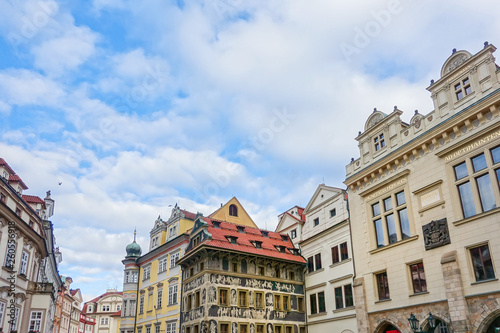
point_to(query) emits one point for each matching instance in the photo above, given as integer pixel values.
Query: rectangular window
(462, 88)
(321, 302)
(171, 327)
(157, 328)
(300, 304)
(159, 298)
(141, 304)
(172, 294)
(348, 295)
(293, 234)
(317, 261)
(316, 221)
(379, 142)
(35, 321)
(262, 271)
(339, 299)
(224, 328)
(310, 264)
(24, 263)
(482, 263)
(335, 254)
(146, 273)
(277, 302)
(243, 298)
(243, 328)
(333, 212)
(313, 304)
(394, 217)
(223, 297)
(259, 300)
(475, 178)
(162, 264)
(343, 251)
(174, 257)
(286, 303)
(382, 286)
(418, 278)
(259, 328)
(278, 329)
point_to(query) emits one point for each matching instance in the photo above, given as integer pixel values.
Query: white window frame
(159, 298)
(36, 323)
(174, 257)
(171, 327)
(162, 264)
(173, 289)
(146, 273)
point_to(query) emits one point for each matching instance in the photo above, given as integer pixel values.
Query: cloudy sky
(138, 105)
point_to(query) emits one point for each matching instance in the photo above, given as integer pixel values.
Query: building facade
(238, 278)
(326, 245)
(29, 278)
(291, 223)
(151, 290)
(424, 200)
(105, 310)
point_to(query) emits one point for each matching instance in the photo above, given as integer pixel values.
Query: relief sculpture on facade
(436, 234)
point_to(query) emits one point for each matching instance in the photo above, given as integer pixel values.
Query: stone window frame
(227, 324)
(492, 169)
(262, 325)
(228, 295)
(317, 303)
(379, 142)
(376, 277)
(262, 298)
(462, 89)
(345, 304)
(411, 284)
(240, 329)
(471, 264)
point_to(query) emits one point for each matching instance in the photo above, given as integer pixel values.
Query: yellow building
(152, 282)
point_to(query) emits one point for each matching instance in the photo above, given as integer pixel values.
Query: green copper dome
(133, 250)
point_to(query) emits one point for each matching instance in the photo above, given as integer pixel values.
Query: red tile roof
(17, 179)
(73, 291)
(33, 199)
(188, 215)
(116, 314)
(104, 295)
(245, 239)
(4, 164)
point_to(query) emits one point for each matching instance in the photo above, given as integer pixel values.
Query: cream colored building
(424, 200)
(106, 310)
(291, 223)
(326, 246)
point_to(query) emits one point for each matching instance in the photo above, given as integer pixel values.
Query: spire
(135, 233)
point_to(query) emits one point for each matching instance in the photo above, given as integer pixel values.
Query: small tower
(130, 281)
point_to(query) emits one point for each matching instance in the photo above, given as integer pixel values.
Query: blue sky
(138, 105)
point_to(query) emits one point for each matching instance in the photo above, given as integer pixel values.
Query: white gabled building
(291, 222)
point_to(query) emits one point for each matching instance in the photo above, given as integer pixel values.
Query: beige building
(424, 200)
(106, 310)
(291, 223)
(326, 245)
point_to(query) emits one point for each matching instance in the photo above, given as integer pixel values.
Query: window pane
(317, 259)
(339, 302)
(404, 223)
(343, 251)
(400, 198)
(418, 278)
(383, 286)
(486, 192)
(348, 295)
(321, 302)
(387, 204)
(481, 261)
(314, 307)
(391, 228)
(461, 171)
(495, 154)
(379, 233)
(310, 264)
(479, 163)
(376, 209)
(467, 200)
(335, 254)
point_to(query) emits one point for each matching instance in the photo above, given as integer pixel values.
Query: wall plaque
(436, 234)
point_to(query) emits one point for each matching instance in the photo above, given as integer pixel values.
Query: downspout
(136, 300)
(350, 234)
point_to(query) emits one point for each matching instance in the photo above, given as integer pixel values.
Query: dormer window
(265, 233)
(233, 210)
(284, 238)
(232, 239)
(216, 224)
(241, 229)
(294, 251)
(257, 244)
(280, 248)
(379, 142)
(462, 88)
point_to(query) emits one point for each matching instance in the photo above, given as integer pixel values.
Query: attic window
(265, 233)
(216, 224)
(333, 212)
(284, 238)
(257, 244)
(233, 210)
(232, 239)
(379, 142)
(294, 251)
(241, 229)
(462, 88)
(280, 248)
(316, 221)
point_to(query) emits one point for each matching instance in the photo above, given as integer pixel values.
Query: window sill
(340, 262)
(344, 309)
(418, 294)
(315, 272)
(390, 246)
(319, 314)
(383, 300)
(483, 281)
(477, 216)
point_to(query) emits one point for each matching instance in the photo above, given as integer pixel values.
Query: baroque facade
(29, 278)
(152, 282)
(425, 204)
(105, 310)
(240, 279)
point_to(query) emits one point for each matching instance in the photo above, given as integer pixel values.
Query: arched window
(233, 210)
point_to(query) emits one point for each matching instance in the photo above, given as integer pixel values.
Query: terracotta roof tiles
(17, 179)
(33, 199)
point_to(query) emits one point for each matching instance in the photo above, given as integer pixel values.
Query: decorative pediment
(457, 59)
(374, 119)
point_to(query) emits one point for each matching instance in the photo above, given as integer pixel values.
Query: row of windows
(339, 253)
(390, 219)
(481, 262)
(281, 302)
(171, 327)
(172, 297)
(162, 267)
(343, 299)
(245, 328)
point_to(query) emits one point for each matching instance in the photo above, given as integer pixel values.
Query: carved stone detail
(458, 61)
(436, 234)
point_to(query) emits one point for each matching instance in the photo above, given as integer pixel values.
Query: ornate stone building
(240, 279)
(424, 199)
